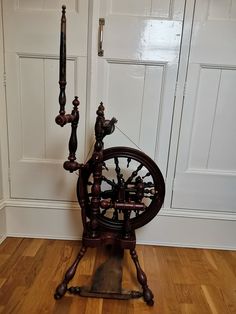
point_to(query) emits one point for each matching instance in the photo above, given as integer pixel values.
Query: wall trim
(57, 220)
(3, 238)
(192, 245)
(150, 243)
(199, 214)
(3, 233)
(174, 212)
(2, 205)
(60, 205)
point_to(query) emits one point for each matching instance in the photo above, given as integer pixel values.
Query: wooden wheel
(130, 178)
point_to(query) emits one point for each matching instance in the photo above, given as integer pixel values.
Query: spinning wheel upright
(119, 190)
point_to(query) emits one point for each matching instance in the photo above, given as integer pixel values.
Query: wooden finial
(63, 9)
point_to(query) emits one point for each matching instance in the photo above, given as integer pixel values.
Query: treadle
(87, 292)
(107, 280)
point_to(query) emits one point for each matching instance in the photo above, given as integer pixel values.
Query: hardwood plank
(215, 300)
(185, 281)
(94, 306)
(9, 245)
(2, 281)
(33, 247)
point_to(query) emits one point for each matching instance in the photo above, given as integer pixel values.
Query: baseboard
(37, 222)
(54, 220)
(2, 205)
(2, 238)
(3, 232)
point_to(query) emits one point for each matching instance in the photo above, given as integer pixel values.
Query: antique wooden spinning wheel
(119, 190)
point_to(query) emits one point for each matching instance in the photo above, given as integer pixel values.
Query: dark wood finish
(142, 278)
(107, 280)
(62, 69)
(62, 119)
(62, 288)
(132, 201)
(97, 171)
(122, 195)
(71, 164)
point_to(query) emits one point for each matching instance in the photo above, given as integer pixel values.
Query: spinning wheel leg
(62, 288)
(142, 278)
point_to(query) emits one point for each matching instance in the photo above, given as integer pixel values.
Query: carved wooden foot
(142, 278)
(62, 288)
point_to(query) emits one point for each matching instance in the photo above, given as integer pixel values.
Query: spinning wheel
(119, 190)
(132, 189)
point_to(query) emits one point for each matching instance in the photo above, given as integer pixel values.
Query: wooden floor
(183, 280)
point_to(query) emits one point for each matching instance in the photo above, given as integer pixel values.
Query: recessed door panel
(136, 76)
(206, 165)
(37, 146)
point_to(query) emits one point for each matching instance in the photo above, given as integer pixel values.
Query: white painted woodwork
(2, 223)
(2, 134)
(2, 102)
(206, 165)
(1, 181)
(136, 77)
(37, 146)
(170, 230)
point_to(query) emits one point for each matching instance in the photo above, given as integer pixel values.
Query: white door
(206, 166)
(37, 145)
(136, 76)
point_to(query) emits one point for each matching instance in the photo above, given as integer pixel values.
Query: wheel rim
(140, 170)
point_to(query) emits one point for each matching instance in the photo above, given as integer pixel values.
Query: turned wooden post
(62, 119)
(97, 173)
(71, 164)
(62, 70)
(142, 278)
(63, 287)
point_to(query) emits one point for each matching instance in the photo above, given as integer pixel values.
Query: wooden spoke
(118, 170)
(134, 174)
(146, 175)
(128, 161)
(115, 216)
(149, 184)
(112, 183)
(105, 166)
(106, 194)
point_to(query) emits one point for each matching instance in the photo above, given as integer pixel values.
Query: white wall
(1, 187)
(2, 132)
(57, 219)
(2, 208)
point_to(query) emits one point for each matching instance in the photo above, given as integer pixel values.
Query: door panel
(206, 164)
(136, 77)
(71, 5)
(154, 8)
(37, 145)
(146, 81)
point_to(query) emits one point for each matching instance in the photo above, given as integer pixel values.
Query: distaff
(62, 75)
(62, 69)
(71, 164)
